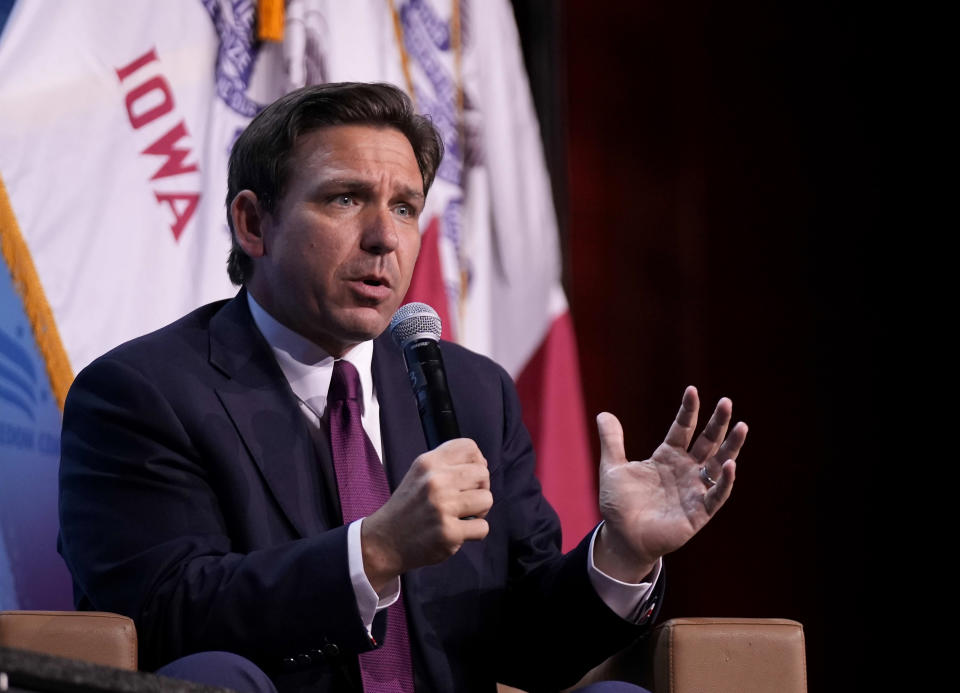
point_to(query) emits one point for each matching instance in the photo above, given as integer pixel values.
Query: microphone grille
(415, 321)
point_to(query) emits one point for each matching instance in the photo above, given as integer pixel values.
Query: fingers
(456, 481)
(715, 497)
(470, 504)
(457, 464)
(612, 450)
(458, 451)
(718, 495)
(473, 529)
(681, 430)
(711, 437)
(734, 442)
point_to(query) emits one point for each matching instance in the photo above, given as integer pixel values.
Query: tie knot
(345, 383)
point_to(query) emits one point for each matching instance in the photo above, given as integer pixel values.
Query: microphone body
(416, 329)
(429, 382)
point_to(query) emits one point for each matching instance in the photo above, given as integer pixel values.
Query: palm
(656, 505)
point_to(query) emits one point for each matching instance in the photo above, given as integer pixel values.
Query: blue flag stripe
(10, 377)
(18, 356)
(11, 397)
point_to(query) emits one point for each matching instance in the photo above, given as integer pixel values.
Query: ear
(248, 223)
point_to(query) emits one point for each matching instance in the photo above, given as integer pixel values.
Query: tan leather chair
(683, 655)
(729, 654)
(91, 636)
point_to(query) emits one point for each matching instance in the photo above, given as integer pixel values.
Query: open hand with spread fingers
(652, 507)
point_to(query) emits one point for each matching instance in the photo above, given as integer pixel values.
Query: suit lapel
(268, 419)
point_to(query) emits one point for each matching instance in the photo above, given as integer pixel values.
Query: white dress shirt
(309, 369)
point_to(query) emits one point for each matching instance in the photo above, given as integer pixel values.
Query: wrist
(381, 561)
(613, 556)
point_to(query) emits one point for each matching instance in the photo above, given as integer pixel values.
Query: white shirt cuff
(627, 600)
(369, 603)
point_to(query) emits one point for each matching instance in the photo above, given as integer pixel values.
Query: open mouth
(374, 281)
(373, 288)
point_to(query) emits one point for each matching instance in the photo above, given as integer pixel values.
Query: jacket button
(304, 660)
(288, 664)
(331, 651)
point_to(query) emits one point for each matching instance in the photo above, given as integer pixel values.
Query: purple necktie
(362, 482)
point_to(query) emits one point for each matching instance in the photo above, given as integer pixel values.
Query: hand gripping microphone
(416, 329)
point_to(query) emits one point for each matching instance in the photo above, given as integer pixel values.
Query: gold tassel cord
(270, 20)
(404, 56)
(28, 287)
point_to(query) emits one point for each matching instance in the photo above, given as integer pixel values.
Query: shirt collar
(307, 367)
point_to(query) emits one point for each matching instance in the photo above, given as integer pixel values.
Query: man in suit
(202, 481)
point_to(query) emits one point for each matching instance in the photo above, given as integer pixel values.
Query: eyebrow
(357, 184)
(407, 191)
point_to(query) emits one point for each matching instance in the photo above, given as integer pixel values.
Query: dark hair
(261, 155)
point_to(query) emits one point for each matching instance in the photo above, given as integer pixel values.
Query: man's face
(340, 246)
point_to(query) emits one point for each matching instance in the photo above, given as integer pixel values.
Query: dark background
(714, 168)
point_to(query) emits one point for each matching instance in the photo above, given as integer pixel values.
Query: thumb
(611, 439)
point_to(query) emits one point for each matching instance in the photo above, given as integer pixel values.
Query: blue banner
(32, 574)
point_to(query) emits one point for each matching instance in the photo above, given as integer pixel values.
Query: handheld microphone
(416, 329)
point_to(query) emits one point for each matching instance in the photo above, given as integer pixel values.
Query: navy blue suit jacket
(194, 499)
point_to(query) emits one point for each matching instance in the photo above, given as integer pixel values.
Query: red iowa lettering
(146, 101)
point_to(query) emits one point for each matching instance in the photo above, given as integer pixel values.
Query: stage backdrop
(115, 128)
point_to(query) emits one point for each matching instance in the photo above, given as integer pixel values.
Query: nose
(379, 232)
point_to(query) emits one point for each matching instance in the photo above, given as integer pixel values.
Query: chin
(370, 323)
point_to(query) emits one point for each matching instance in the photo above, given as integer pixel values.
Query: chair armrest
(91, 636)
(720, 655)
(729, 655)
